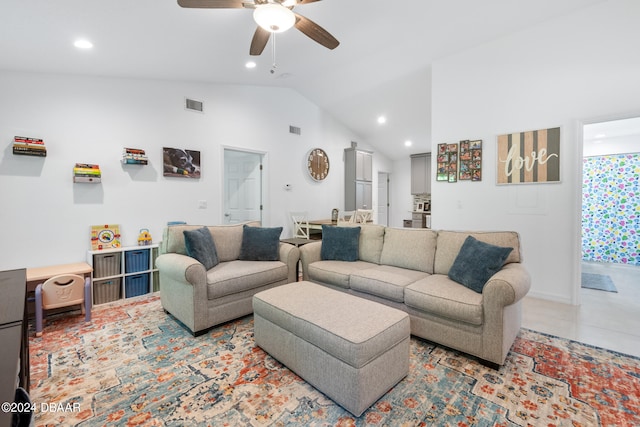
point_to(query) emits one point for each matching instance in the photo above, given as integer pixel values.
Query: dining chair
(300, 224)
(363, 216)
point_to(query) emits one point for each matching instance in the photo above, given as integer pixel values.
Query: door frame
(263, 186)
(576, 294)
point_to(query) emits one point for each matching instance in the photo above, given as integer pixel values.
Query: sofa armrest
(507, 286)
(182, 268)
(289, 254)
(309, 254)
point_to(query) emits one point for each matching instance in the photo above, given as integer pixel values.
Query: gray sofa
(408, 269)
(201, 299)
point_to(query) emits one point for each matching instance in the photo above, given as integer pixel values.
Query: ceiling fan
(272, 16)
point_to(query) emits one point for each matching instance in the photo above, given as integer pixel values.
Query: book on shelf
(92, 179)
(134, 156)
(82, 171)
(87, 166)
(86, 169)
(134, 151)
(25, 140)
(29, 146)
(29, 152)
(134, 161)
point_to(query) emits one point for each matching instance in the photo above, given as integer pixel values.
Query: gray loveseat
(408, 269)
(201, 298)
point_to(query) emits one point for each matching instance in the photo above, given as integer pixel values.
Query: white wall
(45, 218)
(568, 70)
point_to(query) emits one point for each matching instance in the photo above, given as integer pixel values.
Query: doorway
(383, 199)
(610, 243)
(243, 176)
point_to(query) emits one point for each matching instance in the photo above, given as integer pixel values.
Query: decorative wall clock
(318, 164)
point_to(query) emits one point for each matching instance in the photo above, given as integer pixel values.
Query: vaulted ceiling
(382, 66)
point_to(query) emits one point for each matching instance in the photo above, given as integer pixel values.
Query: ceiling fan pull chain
(273, 53)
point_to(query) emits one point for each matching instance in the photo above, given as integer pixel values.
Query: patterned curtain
(611, 209)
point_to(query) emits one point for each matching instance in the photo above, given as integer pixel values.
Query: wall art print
(529, 157)
(470, 160)
(611, 209)
(182, 163)
(447, 164)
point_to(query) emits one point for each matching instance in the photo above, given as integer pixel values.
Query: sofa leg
(198, 333)
(490, 365)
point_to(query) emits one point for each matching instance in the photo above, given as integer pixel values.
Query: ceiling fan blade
(212, 4)
(315, 32)
(299, 2)
(259, 41)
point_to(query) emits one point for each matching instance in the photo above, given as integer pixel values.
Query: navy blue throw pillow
(340, 243)
(477, 262)
(260, 243)
(199, 244)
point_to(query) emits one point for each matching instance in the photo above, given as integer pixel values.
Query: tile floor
(604, 319)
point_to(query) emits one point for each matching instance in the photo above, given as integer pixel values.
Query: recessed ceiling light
(250, 64)
(382, 120)
(83, 44)
(408, 143)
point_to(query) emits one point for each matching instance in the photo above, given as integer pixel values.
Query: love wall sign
(529, 157)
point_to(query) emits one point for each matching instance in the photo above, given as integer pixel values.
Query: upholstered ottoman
(351, 349)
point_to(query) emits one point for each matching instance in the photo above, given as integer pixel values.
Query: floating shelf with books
(86, 172)
(24, 146)
(134, 156)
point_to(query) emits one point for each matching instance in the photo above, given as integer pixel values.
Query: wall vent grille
(295, 130)
(193, 105)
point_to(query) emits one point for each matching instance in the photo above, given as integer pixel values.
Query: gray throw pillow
(340, 243)
(199, 245)
(477, 262)
(260, 243)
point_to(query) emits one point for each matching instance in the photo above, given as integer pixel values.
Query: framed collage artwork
(447, 164)
(471, 160)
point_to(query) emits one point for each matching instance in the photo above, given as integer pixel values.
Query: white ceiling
(612, 137)
(382, 65)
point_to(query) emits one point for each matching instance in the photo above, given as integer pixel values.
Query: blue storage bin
(136, 260)
(136, 285)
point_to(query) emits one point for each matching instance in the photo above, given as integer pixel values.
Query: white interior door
(242, 186)
(383, 199)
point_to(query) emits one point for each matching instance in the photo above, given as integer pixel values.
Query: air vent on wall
(193, 105)
(295, 130)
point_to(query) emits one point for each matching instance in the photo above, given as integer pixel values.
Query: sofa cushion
(370, 243)
(409, 248)
(450, 242)
(340, 243)
(477, 262)
(199, 245)
(385, 281)
(228, 239)
(237, 276)
(441, 296)
(336, 273)
(260, 243)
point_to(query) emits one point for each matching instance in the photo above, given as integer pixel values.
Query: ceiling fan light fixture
(274, 17)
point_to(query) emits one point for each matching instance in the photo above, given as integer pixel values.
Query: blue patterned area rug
(600, 282)
(135, 365)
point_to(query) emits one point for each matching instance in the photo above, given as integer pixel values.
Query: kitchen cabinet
(358, 176)
(421, 173)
